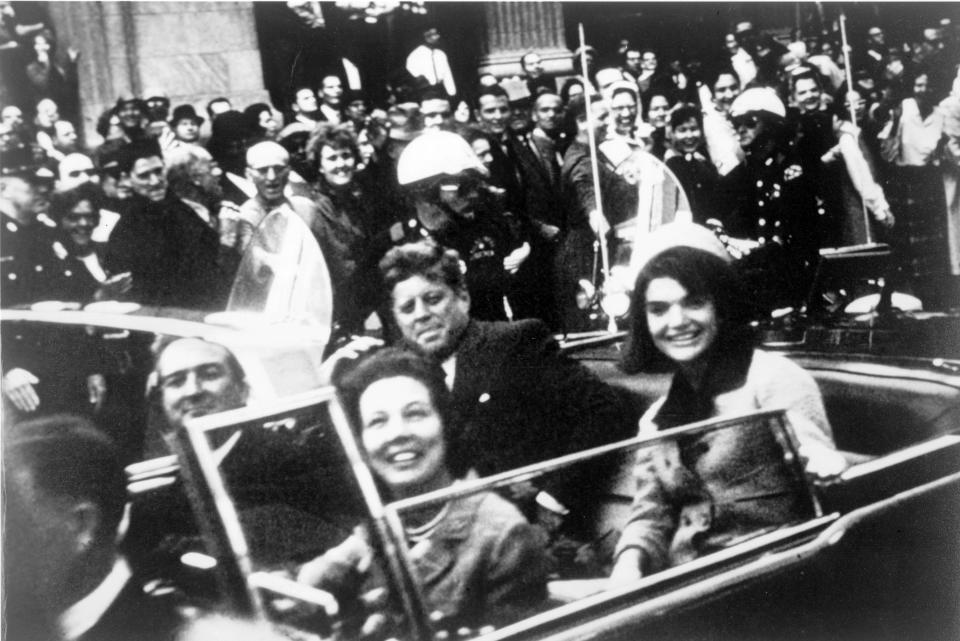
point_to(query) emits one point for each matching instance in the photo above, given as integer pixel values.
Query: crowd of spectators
(774, 150)
(447, 211)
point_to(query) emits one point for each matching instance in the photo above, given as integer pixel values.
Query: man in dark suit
(65, 577)
(169, 250)
(517, 399)
(538, 156)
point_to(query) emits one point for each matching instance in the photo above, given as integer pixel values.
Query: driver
(65, 577)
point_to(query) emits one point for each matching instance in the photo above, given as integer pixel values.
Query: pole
(848, 71)
(594, 161)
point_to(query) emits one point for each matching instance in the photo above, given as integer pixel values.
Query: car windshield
(287, 493)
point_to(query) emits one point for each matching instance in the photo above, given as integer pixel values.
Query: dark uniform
(26, 258)
(773, 203)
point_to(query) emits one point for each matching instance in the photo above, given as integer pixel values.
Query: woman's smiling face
(402, 434)
(682, 326)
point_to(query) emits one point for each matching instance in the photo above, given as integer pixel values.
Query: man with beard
(160, 240)
(516, 398)
(195, 178)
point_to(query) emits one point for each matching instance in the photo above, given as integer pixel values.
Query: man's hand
(229, 222)
(114, 287)
(599, 223)
(18, 387)
(97, 389)
(358, 346)
(515, 258)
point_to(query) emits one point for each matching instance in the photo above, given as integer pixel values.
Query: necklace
(420, 532)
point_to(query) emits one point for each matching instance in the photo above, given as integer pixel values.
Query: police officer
(773, 219)
(456, 208)
(25, 243)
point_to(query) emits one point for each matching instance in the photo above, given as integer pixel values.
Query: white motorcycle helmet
(436, 154)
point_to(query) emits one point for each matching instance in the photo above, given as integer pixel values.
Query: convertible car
(874, 558)
(227, 509)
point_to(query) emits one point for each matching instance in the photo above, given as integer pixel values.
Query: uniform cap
(758, 99)
(434, 154)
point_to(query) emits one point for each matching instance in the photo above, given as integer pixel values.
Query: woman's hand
(353, 350)
(822, 463)
(627, 567)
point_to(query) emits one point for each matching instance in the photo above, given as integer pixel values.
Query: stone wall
(192, 50)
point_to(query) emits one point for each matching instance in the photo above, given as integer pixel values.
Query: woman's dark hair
(568, 86)
(103, 122)
(228, 141)
(353, 379)
(665, 92)
(684, 112)
(252, 116)
(702, 274)
(63, 202)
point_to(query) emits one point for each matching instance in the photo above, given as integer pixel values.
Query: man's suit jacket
(519, 401)
(170, 252)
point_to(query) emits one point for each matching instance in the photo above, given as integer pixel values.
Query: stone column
(194, 51)
(513, 28)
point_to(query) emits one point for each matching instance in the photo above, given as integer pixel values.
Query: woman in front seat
(477, 559)
(699, 494)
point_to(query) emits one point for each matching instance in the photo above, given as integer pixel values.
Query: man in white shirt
(428, 61)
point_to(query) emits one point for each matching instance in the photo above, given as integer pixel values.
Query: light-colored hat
(758, 99)
(678, 234)
(434, 154)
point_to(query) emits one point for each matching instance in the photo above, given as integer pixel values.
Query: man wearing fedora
(185, 124)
